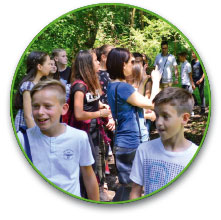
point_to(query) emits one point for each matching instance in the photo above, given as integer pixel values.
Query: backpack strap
(138, 123)
(27, 145)
(79, 81)
(116, 112)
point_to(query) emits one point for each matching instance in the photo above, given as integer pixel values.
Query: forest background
(117, 25)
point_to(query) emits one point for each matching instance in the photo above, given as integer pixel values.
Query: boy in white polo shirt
(186, 73)
(59, 151)
(159, 161)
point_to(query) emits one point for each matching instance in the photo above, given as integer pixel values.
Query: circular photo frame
(97, 164)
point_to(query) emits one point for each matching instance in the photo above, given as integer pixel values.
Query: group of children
(65, 123)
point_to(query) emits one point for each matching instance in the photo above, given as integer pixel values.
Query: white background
(25, 195)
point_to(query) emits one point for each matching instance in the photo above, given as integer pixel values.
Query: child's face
(96, 63)
(45, 68)
(46, 110)
(181, 59)
(53, 67)
(62, 58)
(168, 123)
(194, 55)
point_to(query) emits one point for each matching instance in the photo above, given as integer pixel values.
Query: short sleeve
(78, 87)
(86, 157)
(21, 139)
(136, 174)
(26, 86)
(174, 61)
(125, 90)
(189, 68)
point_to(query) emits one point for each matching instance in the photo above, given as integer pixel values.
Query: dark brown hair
(180, 98)
(83, 69)
(33, 59)
(102, 50)
(115, 62)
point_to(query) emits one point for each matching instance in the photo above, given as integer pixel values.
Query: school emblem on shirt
(68, 154)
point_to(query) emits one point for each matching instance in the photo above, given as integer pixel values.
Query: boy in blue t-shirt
(159, 161)
(59, 151)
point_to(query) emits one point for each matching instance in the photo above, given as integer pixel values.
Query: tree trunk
(132, 17)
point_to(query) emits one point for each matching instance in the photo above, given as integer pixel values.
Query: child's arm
(176, 75)
(136, 191)
(28, 109)
(136, 99)
(150, 115)
(191, 81)
(201, 79)
(90, 182)
(80, 114)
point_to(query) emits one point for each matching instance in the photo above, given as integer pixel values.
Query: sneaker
(192, 113)
(107, 171)
(110, 152)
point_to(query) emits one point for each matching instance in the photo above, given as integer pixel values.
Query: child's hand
(198, 82)
(105, 112)
(111, 124)
(150, 115)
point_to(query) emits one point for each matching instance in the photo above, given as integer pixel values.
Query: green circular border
(91, 6)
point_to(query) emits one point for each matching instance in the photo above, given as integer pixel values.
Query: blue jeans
(124, 161)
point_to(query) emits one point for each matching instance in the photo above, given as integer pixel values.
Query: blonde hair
(51, 84)
(56, 52)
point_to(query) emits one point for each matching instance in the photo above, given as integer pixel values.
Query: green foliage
(118, 25)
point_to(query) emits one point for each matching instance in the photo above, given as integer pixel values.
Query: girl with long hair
(38, 65)
(85, 108)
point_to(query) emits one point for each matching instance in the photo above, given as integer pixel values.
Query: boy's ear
(186, 117)
(65, 108)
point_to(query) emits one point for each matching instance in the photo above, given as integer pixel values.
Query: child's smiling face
(47, 109)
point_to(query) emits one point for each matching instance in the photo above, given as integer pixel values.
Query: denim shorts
(124, 161)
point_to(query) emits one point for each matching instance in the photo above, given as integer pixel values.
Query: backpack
(27, 145)
(69, 117)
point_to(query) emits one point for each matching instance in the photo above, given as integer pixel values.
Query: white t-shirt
(154, 167)
(59, 158)
(166, 65)
(185, 73)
